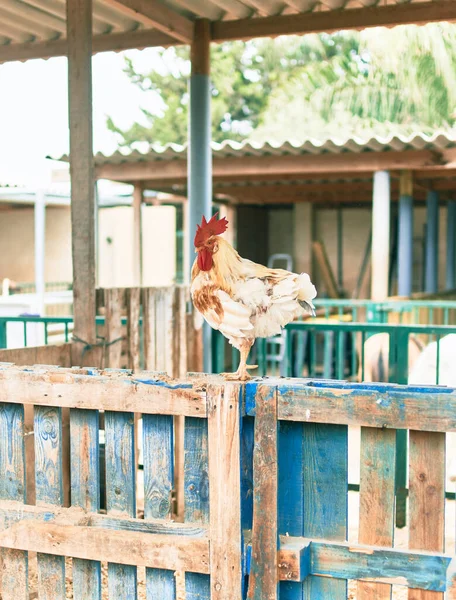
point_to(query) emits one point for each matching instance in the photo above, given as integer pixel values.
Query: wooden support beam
(79, 34)
(414, 13)
(138, 198)
(155, 14)
(275, 166)
(113, 42)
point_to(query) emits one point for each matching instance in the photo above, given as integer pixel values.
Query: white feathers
(261, 300)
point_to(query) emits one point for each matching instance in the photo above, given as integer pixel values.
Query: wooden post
(450, 279)
(199, 150)
(40, 241)
(138, 198)
(79, 36)
(432, 243)
(380, 235)
(405, 235)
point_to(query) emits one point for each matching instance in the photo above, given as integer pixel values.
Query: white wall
(17, 238)
(115, 247)
(158, 245)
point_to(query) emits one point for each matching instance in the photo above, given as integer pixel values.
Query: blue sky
(34, 111)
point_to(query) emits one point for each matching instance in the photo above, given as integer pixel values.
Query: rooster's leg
(242, 373)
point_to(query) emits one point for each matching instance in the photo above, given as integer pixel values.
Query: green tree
(344, 84)
(243, 77)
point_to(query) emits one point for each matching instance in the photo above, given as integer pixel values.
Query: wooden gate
(265, 488)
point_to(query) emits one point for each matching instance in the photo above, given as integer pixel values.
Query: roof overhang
(37, 28)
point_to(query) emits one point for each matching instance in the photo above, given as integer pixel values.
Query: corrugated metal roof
(29, 22)
(394, 142)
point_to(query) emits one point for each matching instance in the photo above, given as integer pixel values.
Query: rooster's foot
(240, 375)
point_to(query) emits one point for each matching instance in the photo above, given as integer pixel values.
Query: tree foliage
(348, 83)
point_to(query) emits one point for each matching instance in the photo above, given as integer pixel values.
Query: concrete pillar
(451, 246)
(40, 245)
(432, 243)
(405, 236)
(199, 150)
(380, 235)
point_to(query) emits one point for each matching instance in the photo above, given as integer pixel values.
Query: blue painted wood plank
(49, 490)
(120, 492)
(158, 435)
(291, 494)
(196, 494)
(12, 487)
(325, 471)
(85, 492)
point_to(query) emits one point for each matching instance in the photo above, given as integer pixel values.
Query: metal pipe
(432, 243)
(199, 151)
(405, 246)
(451, 246)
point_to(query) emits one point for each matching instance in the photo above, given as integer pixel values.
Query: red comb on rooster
(241, 299)
(209, 228)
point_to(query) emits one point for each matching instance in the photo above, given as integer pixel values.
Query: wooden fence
(266, 488)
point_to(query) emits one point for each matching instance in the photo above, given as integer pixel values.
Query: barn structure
(42, 29)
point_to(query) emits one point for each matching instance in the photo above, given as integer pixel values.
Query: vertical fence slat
(133, 298)
(49, 490)
(290, 494)
(427, 498)
(149, 330)
(376, 505)
(263, 580)
(120, 492)
(85, 492)
(158, 487)
(196, 486)
(225, 491)
(325, 467)
(12, 487)
(114, 302)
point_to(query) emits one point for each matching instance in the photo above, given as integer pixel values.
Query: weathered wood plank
(225, 491)
(300, 558)
(49, 490)
(120, 492)
(85, 492)
(171, 365)
(263, 579)
(158, 487)
(427, 498)
(196, 485)
(88, 545)
(149, 329)
(325, 467)
(374, 405)
(12, 487)
(291, 494)
(12, 512)
(117, 392)
(133, 300)
(376, 504)
(427, 570)
(114, 303)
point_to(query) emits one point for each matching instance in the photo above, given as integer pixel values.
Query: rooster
(241, 299)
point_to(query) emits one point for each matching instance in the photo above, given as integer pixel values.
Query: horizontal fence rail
(268, 511)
